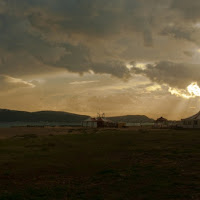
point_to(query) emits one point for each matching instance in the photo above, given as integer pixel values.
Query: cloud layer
(89, 35)
(8, 83)
(178, 75)
(75, 40)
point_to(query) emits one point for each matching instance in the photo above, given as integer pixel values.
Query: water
(19, 124)
(139, 124)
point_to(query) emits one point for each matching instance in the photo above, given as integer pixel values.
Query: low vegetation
(101, 164)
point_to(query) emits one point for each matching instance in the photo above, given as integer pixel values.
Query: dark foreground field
(99, 164)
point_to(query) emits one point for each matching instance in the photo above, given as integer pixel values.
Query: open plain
(113, 164)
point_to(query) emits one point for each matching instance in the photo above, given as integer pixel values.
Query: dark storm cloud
(64, 34)
(189, 9)
(26, 25)
(177, 75)
(178, 32)
(186, 32)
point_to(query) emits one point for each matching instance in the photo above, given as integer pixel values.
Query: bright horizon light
(193, 90)
(137, 65)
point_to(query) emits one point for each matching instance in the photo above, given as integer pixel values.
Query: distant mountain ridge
(59, 116)
(46, 116)
(132, 119)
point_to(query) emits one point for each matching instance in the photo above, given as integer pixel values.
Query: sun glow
(192, 91)
(137, 65)
(141, 66)
(129, 66)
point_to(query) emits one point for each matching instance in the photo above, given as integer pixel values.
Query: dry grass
(74, 163)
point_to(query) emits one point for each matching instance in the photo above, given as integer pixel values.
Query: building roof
(104, 119)
(91, 119)
(161, 119)
(193, 117)
(99, 119)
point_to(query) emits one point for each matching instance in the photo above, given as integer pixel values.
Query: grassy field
(38, 164)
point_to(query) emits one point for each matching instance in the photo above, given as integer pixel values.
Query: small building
(121, 124)
(104, 122)
(99, 122)
(191, 122)
(90, 122)
(161, 123)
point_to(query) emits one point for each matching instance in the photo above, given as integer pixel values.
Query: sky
(120, 57)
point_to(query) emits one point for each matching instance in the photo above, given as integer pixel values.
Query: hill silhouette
(132, 119)
(48, 116)
(58, 116)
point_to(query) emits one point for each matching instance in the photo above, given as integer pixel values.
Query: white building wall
(191, 123)
(89, 124)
